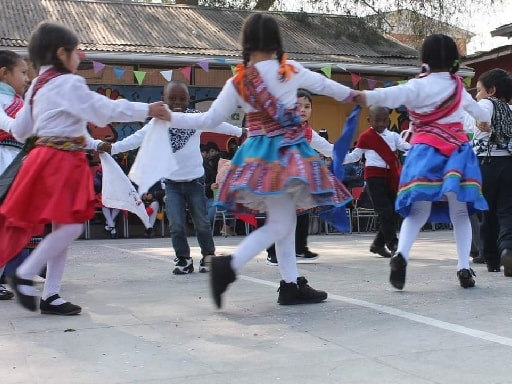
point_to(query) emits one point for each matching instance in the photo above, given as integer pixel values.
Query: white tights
(279, 228)
(52, 252)
(110, 216)
(420, 211)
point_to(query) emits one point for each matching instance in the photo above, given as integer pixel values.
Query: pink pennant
(81, 55)
(97, 66)
(204, 64)
(372, 83)
(186, 71)
(355, 79)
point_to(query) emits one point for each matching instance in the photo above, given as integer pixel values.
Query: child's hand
(359, 98)
(104, 147)
(214, 186)
(160, 111)
(484, 127)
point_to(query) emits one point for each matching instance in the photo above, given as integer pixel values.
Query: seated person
(153, 200)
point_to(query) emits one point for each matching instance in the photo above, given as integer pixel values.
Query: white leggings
(279, 228)
(420, 211)
(52, 252)
(110, 216)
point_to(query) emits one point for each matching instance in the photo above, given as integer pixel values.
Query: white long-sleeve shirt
(185, 146)
(64, 105)
(480, 138)
(285, 92)
(320, 144)
(392, 139)
(423, 95)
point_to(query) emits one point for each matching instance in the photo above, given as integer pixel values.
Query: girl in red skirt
(54, 183)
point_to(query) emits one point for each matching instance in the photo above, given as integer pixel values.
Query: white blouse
(229, 99)
(64, 105)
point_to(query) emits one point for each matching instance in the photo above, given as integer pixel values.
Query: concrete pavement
(141, 324)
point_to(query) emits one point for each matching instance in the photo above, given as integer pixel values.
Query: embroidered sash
(63, 143)
(370, 139)
(250, 85)
(12, 110)
(446, 138)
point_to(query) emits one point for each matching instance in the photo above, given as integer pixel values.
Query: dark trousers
(301, 235)
(383, 199)
(496, 226)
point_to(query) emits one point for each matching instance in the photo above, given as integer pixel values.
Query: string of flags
(204, 64)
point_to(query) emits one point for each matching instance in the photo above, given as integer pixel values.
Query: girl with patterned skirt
(440, 180)
(54, 184)
(275, 170)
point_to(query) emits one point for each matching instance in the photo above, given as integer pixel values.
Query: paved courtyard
(141, 324)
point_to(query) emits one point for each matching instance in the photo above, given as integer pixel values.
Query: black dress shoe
(64, 309)
(466, 278)
(380, 250)
(506, 261)
(5, 294)
(493, 268)
(27, 301)
(479, 260)
(221, 275)
(398, 267)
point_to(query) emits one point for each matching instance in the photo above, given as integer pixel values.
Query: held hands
(359, 98)
(484, 127)
(159, 110)
(214, 186)
(104, 147)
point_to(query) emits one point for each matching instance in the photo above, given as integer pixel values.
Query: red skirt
(52, 186)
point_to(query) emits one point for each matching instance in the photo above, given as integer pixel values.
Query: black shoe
(479, 260)
(380, 250)
(64, 309)
(183, 266)
(506, 261)
(272, 259)
(306, 256)
(493, 268)
(466, 278)
(27, 301)
(148, 233)
(221, 276)
(5, 294)
(204, 263)
(398, 268)
(393, 246)
(299, 293)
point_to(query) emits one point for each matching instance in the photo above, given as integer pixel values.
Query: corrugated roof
(181, 30)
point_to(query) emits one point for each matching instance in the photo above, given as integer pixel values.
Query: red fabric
(370, 139)
(41, 80)
(149, 211)
(51, 186)
(308, 131)
(247, 218)
(11, 111)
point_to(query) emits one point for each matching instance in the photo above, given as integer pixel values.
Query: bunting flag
(97, 66)
(167, 75)
(327, 70)
(467, 81)
(338, 217)
(388, 83)
(233, 70)
(371, 83)
(119, 72)
(355, 79)
(119, 192)
(341, 67)
(402, 81)
(139, 75)
(220, 60)
(81, 55)
(204, 64)
(186, 71)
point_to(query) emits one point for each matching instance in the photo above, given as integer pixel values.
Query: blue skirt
(428, 175)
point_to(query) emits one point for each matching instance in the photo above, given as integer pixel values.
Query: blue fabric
(338, 216)
(428, 175)
(6, 89)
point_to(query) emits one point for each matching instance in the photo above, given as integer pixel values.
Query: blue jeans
(182, 195)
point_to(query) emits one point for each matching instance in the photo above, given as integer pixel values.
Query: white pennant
(167, 75)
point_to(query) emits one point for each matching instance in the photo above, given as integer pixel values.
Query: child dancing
(56, 168)
(275, 170)
(440, 164)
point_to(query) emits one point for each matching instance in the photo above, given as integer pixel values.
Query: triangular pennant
(186, 71)
(233, 70)
(220, 60)
(327, 70)
(204, 64)
(81, 55)
(119, 72)
(467, 81)
(372, 83)
(388, 83)
(355, 79)
(139, 75)
(97, 66)
(341, 67)
(167, 75)
(402, 81)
